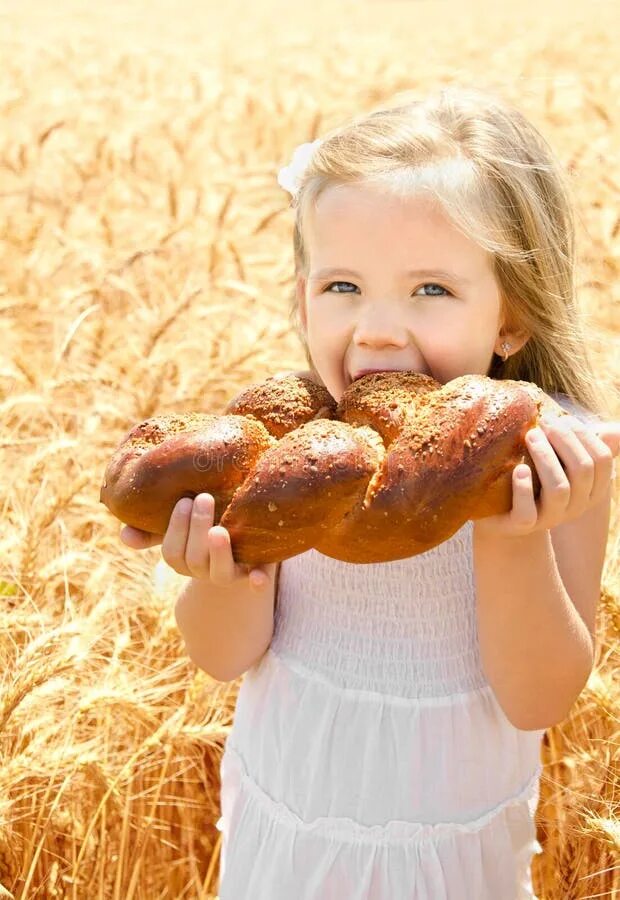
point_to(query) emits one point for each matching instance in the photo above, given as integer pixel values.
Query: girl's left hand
(566, 493)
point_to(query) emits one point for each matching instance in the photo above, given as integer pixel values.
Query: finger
(175, 538)
(609, 434)
(524, 512)
(197, 548)
(603, 460)
(138, 539)
(555, 490)
(223, 567)
(568, 438)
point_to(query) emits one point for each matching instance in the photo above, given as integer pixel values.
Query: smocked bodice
(406, 627)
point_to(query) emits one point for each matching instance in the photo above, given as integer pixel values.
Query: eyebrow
(412, 273)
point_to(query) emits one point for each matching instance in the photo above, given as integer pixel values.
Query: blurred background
(146, 266)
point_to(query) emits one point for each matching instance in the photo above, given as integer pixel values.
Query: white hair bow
(289, 177)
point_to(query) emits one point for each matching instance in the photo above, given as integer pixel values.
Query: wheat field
(146, 265)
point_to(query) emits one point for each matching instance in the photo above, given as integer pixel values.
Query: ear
(300, 290)
(516, 340)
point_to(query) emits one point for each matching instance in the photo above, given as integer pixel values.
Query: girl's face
(405, 290)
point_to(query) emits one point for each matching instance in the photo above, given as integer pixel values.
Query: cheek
(463, 354)
(323, 326)
(316, 332)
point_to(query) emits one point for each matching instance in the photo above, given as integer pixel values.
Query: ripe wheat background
(145, 266)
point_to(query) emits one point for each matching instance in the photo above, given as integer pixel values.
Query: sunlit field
(146, 266)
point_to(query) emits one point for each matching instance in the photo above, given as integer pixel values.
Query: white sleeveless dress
(369, 758)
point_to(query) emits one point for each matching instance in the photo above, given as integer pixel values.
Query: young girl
(386, 741)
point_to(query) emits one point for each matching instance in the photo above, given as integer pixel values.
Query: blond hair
(498, 180)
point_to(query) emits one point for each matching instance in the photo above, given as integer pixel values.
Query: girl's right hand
(194, 546)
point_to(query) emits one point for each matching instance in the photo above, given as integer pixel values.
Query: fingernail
(184, 506)
(535, 434)
(203, 500)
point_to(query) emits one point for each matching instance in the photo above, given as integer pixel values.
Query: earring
(505, 348)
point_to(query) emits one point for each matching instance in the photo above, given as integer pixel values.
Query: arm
(536, 600)
(226, 630)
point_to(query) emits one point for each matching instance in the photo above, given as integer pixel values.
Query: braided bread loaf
(392, 470)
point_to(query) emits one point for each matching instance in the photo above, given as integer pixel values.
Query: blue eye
(433, 285)
(332, 283)
(430, 284)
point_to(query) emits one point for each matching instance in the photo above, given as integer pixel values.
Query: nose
(378, 325)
